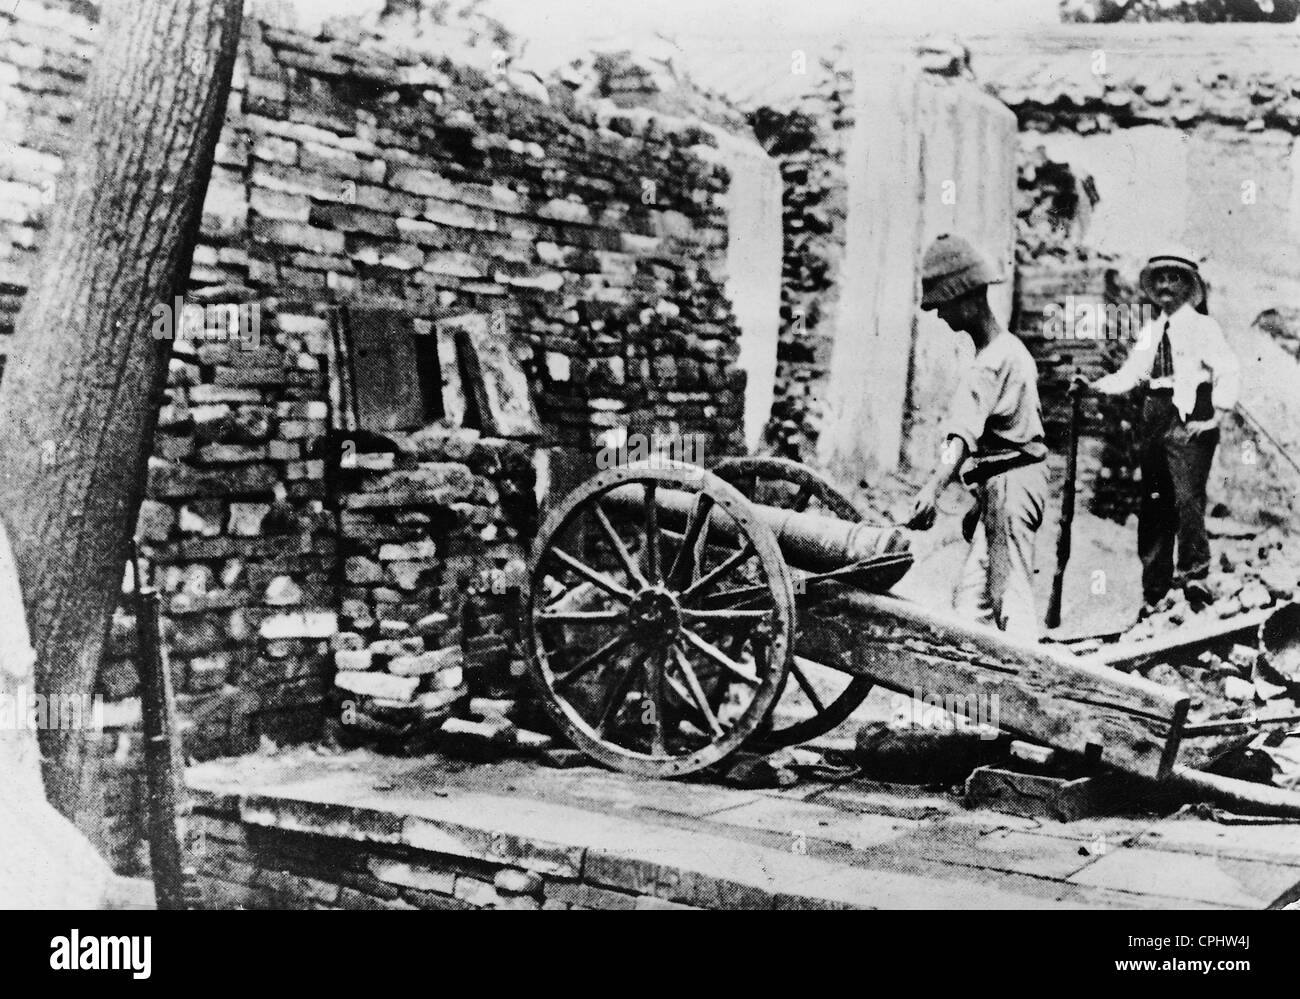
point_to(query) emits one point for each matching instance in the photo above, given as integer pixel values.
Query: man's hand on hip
(1197, 428)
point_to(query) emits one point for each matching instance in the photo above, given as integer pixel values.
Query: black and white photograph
(686, 455)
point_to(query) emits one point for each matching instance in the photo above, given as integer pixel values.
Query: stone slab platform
(307, 829)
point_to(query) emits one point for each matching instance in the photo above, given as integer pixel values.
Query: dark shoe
(1197, 593)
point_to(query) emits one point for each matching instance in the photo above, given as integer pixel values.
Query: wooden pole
(1067, 507)
(161, 752)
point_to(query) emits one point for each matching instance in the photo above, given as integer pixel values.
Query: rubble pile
(1053, 207)
(1257, 678)
(649, 76)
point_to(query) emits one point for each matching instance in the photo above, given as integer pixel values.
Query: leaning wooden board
(1077, 704)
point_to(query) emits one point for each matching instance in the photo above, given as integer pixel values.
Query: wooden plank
(1185, 643)
(453, 392)
(386, 370)
(1038, 795)
(1075, 704)
(494, 377)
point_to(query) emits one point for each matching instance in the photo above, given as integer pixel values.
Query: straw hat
(1174, 258)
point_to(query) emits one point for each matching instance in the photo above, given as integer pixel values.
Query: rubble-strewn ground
(1256, 569)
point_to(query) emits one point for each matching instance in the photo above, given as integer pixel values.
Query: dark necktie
(1164, 362)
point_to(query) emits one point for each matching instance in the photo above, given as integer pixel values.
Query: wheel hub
(655, 615)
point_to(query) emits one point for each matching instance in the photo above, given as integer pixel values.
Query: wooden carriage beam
(1076, 704)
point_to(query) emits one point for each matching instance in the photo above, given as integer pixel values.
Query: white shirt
(1200, 354)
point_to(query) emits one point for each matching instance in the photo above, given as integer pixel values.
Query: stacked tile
(395, 683)
(1252, 100)
(419, 520)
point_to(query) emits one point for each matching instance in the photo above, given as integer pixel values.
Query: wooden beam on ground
(1076, 704)
(1185, 643)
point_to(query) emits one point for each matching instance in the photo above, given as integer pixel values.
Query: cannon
(674, 615)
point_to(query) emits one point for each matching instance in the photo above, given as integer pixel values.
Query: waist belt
(986, 464)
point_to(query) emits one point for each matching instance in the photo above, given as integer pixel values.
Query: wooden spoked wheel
(629, 663)
(820, 698)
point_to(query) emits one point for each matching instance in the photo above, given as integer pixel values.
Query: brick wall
(241, 866)
(352, 173)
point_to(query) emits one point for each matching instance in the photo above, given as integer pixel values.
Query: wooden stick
(161, 754)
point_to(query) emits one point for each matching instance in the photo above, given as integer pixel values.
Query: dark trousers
(1175, 470)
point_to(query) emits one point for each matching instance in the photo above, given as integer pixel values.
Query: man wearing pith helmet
(993, 431)
(1191, 376)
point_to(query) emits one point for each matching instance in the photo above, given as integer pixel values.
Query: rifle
(1067, 505)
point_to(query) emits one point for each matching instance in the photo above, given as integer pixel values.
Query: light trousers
(997, 582)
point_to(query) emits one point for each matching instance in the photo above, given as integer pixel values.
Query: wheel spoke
(696, 691)
(683, 568)
(595, 659)
(701, 547)
(651, 533)
(705, 582)
(721, 658)
(807, 688)
(727, 616)
(656, 664)
(617, 695)
(591, 575)
(620, 549)
(580, 617)
(735, 599)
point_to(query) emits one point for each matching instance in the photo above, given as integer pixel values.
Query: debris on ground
(925, 754)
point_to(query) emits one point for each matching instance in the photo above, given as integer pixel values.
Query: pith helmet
(951, 268)
(1174, 258)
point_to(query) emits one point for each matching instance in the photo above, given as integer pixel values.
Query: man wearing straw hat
(993, 431)
(1192, 378)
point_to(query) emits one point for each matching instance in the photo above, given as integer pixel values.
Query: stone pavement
(440, 833)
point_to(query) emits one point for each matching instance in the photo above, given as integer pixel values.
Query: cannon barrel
(810, 542)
